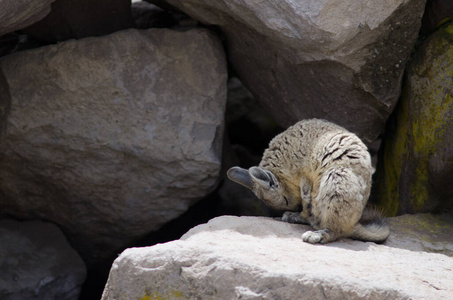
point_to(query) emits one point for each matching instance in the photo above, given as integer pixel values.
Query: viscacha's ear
(240, 176)
(263, 177)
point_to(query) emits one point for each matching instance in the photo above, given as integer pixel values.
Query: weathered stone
(36, 262)
(112, 137)
(15, 15)
(337, 60)
(416, 164)
(261, 258)
(71, 19)
(422, 232)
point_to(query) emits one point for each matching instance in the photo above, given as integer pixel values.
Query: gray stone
(36, 262)
(262, 258)
(334, 59)
(112, 137)
(15, 15)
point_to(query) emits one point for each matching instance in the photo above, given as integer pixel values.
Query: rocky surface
(71, 19)
(112, 137)
(262, 258)
(320, 59)
(423, 232)
(36, 262)
(416, 165)
(15, 15)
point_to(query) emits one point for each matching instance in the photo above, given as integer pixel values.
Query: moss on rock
(419, 126)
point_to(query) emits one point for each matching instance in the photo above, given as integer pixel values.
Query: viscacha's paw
(312, 237)
(293, 217)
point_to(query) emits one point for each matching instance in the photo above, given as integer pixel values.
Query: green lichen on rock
(422, 117)
(423, 232)
(172, 294)
(394, 146)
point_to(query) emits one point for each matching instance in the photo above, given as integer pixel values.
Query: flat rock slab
(261, 258)
(422, 232)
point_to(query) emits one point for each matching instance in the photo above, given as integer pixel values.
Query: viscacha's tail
(372, 227)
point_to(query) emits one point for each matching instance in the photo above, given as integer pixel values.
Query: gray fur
(325, 170)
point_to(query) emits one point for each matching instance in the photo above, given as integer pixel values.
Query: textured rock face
(38, 263)
(259, 258)
(15, 15)
(334, 59)
(112, 137)
(416, 167)
(423, 232)
(71, 19)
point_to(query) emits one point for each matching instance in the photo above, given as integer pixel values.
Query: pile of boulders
(117, 117)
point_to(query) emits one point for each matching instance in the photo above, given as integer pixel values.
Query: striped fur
(323, 170)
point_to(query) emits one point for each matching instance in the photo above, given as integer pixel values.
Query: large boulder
(261, 258)
(112, 137)
(70, 19)
(15, 15)
(416, 165)
(36, 262)
(334, 59)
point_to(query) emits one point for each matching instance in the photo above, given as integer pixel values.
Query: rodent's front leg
(293, 217)
(322, 236)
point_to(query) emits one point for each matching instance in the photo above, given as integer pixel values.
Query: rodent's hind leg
(305, 190)
(322, 236)
(293, 217)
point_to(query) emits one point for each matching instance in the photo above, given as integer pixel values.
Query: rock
(16, 15)
(312, 59)
(37, 262)
(71, 19)
(422, 232)
(112, 137)
(261, 258)
(416, 164)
